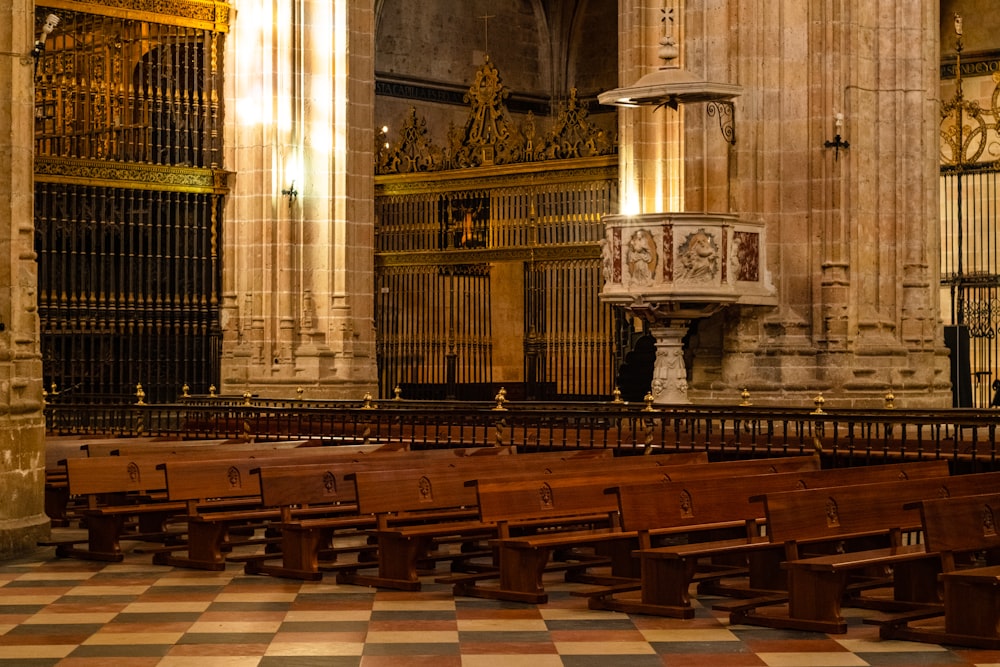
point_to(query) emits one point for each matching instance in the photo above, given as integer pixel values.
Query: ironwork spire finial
(486, 31)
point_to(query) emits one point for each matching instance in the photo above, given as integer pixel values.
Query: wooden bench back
(962, 524)
(532, 496)
(145, 445)
(330, 482)
(424, 487)
(114, 474)
(220, 447)
(215, 478)
(553, 496)
(727, 499)
(141, 472)
(308, 447)
(820, 514)
(60, 448)
(745, 467)
(236, 476)
(322, 483)
(417, 489)
(333, 481)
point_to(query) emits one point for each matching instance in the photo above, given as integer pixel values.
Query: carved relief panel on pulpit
(673, 254)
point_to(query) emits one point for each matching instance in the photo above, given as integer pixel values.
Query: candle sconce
(292, 195)
(838, 143)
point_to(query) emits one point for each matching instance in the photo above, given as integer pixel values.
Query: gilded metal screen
(493, 281)
(487, 259)
(128, 197)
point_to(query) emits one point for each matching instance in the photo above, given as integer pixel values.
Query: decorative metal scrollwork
(969, 133)
(967, 129)
(982, 317)
(491, 137)
(724, 110)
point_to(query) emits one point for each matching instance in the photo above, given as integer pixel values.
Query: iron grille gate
(970, 278)
(128, 198)
(475, 274)
(970, 246)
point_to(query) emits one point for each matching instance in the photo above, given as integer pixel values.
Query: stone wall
(22, 465)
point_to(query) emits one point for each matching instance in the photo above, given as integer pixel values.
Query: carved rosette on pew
(669, 269)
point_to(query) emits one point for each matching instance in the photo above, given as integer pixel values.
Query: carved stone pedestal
(672, 268)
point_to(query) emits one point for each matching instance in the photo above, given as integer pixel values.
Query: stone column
(298, 276)
(350, 241)
(651, 152)
(852, 230)
(22, 475)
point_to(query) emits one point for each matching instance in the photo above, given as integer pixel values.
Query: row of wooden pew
(137, 489)
(60, 449)
(788, 544)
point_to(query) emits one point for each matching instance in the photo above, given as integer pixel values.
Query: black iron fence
(967, 438)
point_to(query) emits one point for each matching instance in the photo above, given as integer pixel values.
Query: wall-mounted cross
(486, 30)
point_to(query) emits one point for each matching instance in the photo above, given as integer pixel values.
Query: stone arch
(591, 64)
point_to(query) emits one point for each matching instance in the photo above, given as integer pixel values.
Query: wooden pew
(697, 510)
(179, 446)
(305, 541)
(305, 546)
(420, 508)
(226, 493)
(963, 532)
(116, 490)
(58, 500)
(60, 504)
(818, 585)
(562, 503)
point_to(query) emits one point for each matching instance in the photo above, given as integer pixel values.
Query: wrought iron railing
(967, 438)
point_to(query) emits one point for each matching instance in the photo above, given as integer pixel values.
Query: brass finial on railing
(745, 397)
(397, 393)
(211, 390)
(247, 396)
(366, 402)
(617, 396)
(500, 398)
(648, 398)
(185, 391)
(52, 390)
(818, 402)
(299, 391)
(140, 394)
(890, 400)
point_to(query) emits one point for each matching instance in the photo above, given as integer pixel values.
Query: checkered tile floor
(75, 613)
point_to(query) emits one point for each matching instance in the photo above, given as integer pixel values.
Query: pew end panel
(963, 531)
